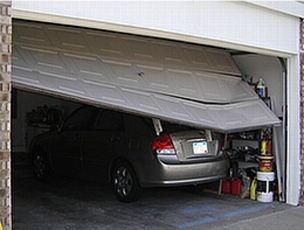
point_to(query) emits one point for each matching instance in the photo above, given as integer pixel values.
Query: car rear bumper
(158, 174)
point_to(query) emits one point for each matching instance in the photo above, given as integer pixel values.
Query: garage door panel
(257, 112)
(138, 49)
(210, 86)
(169, 53)
(239, 90)
(140, 100)
(70, 90)
(222, 61)
(154, 78)
(235, 116)
(201, 114)
(67, 39)
(111, 44)
(128, 75)
(223, 89)
(23, 58)
(110, 95)
(39, 59)
(184, 81)
(48, 61)
(32, 34)
(63, 83)
(123, 73)
(57, 79)
(178, 82)
(18, 60)
(195, 57)
(20, 76)
(174, 108)
(82, 65)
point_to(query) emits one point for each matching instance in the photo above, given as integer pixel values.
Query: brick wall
(5, 104)
(302, 109)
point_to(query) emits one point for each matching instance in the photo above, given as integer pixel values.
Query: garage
(205, 85)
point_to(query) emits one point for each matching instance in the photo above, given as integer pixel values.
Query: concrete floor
(66, 203)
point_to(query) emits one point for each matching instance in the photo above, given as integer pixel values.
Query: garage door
(184, 83)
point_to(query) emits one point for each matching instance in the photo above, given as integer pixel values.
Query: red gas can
(226, 185)
(236, 184)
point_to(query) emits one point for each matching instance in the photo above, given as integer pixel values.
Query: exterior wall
(302, 109)
(187, 28)
(5, 104)
(214, 23)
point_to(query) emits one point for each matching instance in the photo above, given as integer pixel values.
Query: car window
(109, 120)
(79, 120)
(138, 124)
(171, 127)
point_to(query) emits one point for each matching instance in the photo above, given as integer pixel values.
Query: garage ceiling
(178, 82)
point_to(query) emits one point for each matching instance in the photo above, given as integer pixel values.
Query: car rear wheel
(124, 182)
(41, 166)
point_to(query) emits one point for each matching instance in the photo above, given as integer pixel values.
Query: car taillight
(163, 145)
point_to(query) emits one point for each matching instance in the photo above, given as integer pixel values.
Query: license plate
(200, 147)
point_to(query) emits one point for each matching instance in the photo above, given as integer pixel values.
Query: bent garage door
(183, 83)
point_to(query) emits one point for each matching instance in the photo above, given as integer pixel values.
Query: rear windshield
(171, 127)
(167, 126)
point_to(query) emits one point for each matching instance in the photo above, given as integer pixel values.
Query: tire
(41, 166)
(124, 182)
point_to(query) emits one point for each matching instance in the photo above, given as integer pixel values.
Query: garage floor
(66, 203)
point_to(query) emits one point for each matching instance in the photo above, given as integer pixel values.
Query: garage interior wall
(270, 69)
(24, 102)
(5, 86)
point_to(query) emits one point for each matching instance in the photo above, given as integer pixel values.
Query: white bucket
(265, 176)
(265, 197)
(264, 193)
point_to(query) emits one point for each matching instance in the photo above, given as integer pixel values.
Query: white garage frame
(276, 18)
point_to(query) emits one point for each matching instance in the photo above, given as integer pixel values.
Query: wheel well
(116, 161)
(35, 149)
(125, 185)
(39, 148)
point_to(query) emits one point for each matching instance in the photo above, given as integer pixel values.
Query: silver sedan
(130, 152)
